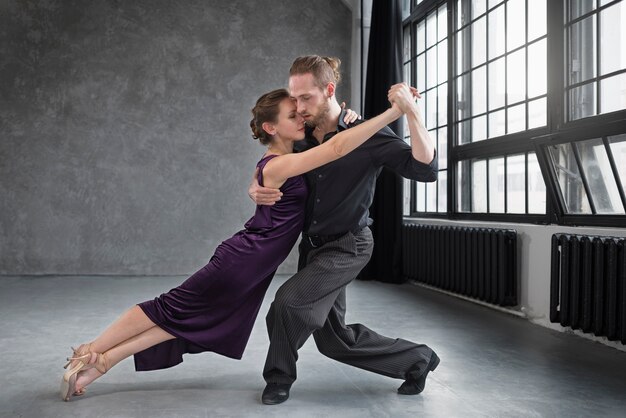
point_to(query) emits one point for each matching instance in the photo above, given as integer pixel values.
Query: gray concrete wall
(124, 138)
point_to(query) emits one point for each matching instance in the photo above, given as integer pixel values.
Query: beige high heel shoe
(83, 359)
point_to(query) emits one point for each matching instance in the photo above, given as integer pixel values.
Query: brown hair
(324, 69)
(266, 110)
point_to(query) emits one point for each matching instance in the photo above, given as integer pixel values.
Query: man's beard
(321, 116)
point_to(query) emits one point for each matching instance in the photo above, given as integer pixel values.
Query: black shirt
(341, 192)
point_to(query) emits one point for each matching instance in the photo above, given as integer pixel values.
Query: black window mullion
(583, 177)
(487, 181)
(452, 170)
(597, 63)
(618, 181)
(506, 81)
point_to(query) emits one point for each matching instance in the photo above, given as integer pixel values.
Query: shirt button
(319, 176)
(314, 222)
(317, 200)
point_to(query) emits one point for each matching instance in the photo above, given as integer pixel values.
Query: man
(337, 242)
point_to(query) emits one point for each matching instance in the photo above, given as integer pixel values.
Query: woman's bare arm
(279, 169)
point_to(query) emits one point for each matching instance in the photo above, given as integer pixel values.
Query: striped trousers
(313, 301)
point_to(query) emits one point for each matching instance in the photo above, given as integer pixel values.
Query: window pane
(464, 132)
(537, 23)
(420, 82)
(442, 104)
(406, 198)
(516, 24)
(442, 205)
(463, 97)
(478, 8)
(517, 118)
(497, 83)
(537, 69)
(479, 128)
(497, 123)
(431, 68)
(420, 37)
(463, 184)
(479, 91)
(462, 12)
(462, 48)
(496, 32)
(618, 149)
(442, 148)
(420, 198)
(479, 42)
(582, 101)
(431, 197)
(516, 76)
(600, 179)
(537, 113)
(431, 109)
(496, 185)
(568, 177)
(581, 7)
(479, 186)
(406, 8)
(516, 184)
(442, 62)
(492, 3)
(406, 55)
(421, 104)
(582, 50)
(442, 23)
(431, 30)
(613, 38)
(407, 73)
(613, 93)
(536, 186)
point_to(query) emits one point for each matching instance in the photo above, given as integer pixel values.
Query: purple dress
(215, 308)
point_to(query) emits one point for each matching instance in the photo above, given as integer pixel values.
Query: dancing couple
(317, 179)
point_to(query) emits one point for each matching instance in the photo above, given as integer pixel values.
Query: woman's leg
(133, 322)
(135, 344)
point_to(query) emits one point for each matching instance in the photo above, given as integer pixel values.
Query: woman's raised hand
(351, 116)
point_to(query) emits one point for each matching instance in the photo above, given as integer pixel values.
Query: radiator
(476, 262)
(588, 284)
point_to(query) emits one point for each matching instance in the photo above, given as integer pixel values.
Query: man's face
(311, 102)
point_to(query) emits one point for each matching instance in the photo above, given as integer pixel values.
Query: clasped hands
(403, 96)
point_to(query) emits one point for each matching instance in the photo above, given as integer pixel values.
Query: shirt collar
(340, 127)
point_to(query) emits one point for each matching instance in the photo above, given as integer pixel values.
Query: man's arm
(417, 161)
(422, 147)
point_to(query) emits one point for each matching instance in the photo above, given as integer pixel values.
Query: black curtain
(384, 68)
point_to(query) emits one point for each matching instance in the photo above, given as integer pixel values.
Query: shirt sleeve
(392, 152)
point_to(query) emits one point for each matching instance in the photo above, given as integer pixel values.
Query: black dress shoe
(414, 386)
(275, 393)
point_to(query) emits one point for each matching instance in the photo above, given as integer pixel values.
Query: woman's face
(290, 125)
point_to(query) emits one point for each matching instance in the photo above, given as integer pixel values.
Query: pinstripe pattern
(313, 301)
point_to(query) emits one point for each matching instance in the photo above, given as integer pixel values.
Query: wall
(534, 246)
(124, 138)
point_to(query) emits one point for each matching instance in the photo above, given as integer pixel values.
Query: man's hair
(324, 69)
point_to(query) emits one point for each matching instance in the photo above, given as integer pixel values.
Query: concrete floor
(492, 364)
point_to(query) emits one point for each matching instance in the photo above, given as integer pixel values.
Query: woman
(215, 309)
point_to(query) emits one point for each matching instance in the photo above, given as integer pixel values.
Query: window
(536, 130)
(426, 67)
(596, 65)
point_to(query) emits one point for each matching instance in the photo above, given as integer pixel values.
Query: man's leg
(302, 303)
(359, 346)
